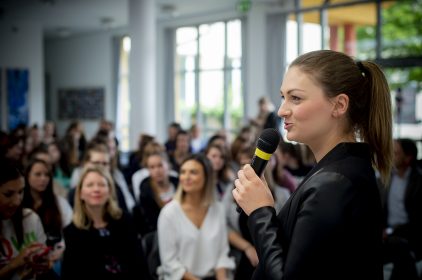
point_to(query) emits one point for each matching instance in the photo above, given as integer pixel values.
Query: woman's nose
(283, 111)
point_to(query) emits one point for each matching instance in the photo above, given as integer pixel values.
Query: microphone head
(268, 140)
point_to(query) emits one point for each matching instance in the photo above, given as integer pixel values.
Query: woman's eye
(8, 194)
(295, 98)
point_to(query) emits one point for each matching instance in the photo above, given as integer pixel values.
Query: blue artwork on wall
(17, 81)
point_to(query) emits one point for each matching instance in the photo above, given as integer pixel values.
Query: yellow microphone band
(261, 154)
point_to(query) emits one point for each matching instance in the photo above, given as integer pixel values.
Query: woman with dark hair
(60, 168)
(224, 175)
(23, 253)
(181, 151)
(54, 211)
(192, 231)
(155, 191)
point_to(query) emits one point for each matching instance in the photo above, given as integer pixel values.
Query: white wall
(81, 61)
(22, 47)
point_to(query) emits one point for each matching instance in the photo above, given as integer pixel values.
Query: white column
(256, 59)
(143, 97)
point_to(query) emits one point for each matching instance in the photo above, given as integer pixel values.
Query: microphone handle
(258, 165)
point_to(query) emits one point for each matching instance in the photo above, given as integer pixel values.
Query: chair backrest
(152, 255)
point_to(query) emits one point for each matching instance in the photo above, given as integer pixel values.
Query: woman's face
(38, 177)
(182, 143)
(54, 153)
(11, 195)
(157, 168)
(192, 177)
(307, 112)
(95, 190)
(98, 158)
(216, 158)
(15, 152)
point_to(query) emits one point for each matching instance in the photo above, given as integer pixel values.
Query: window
(208, 88)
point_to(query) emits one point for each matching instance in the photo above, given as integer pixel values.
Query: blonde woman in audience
(98, 154)
(192, 231)
(100, 241)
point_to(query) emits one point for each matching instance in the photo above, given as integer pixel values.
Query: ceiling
(67, 17)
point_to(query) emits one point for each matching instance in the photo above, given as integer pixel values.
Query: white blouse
(184, 247)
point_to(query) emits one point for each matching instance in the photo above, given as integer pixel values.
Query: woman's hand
(57, 252)
(22, 262)
(250, 252)
(251, 192)
(39, 258)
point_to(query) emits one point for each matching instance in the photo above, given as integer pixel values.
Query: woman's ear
(341, 104)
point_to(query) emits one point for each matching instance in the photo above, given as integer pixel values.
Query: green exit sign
(244, 6)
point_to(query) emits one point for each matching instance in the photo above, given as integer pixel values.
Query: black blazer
(331, 226)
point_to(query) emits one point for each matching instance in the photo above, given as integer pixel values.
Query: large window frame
(226, 70)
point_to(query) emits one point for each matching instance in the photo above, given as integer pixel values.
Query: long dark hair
(10, 172)
(49, 211)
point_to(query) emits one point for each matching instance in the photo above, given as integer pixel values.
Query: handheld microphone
(266, 145)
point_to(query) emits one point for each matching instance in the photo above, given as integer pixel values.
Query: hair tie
(361, 68)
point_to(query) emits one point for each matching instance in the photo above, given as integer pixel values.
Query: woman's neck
(193, 199)
(37, 199)
(163, 185)
(97, 216)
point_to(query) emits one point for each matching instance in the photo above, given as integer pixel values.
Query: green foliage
(401, 37)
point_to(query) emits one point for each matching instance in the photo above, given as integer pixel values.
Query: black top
(146, 212)
(331, 226)
(109, 253)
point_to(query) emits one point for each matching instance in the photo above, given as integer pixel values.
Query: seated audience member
(172, 131)
(192, 233)
(41, 153)
(49, 133)
(281, 175)
(100, 241)
(181, 151)
(294, 160)
(140, 175)
(402, 200)
(54, 211)
(12, 150)
(74, 144)
(23, 253)
(61, 171)
(97, 154)
(155, 191)
(135, 159)
(223, 174)
(196, 142)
